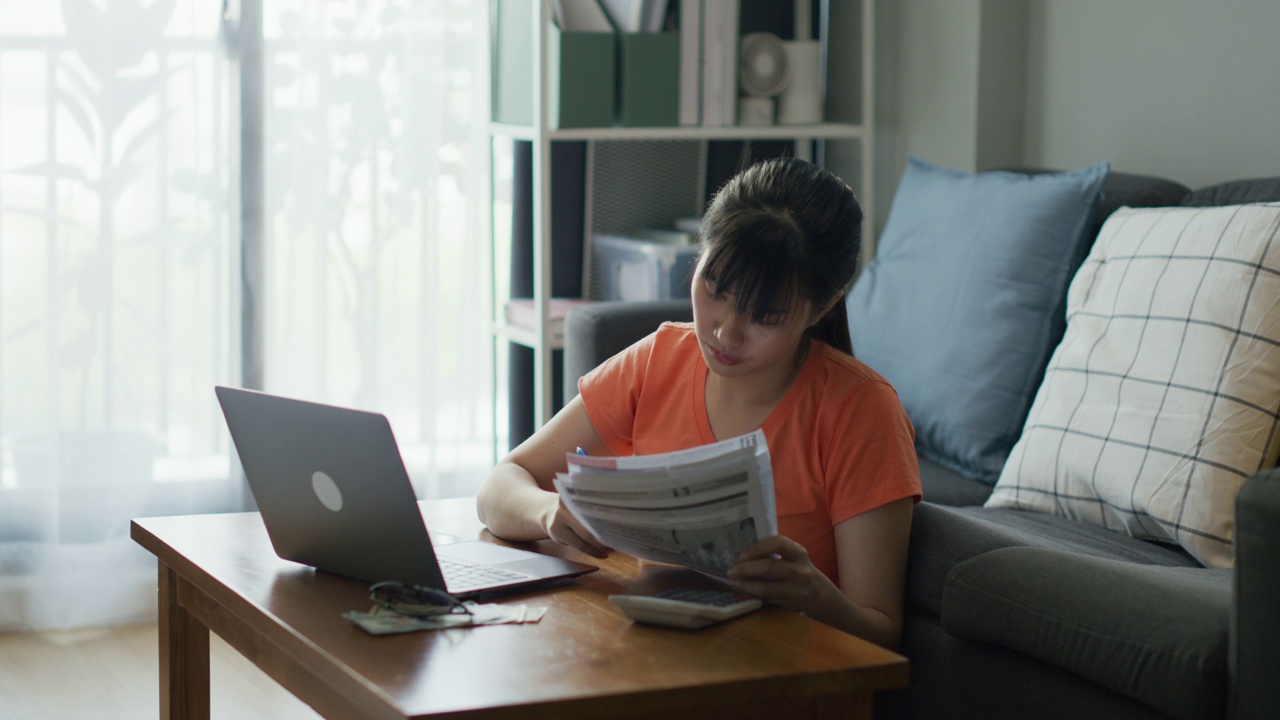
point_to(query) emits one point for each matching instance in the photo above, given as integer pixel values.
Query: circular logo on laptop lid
(326, 491)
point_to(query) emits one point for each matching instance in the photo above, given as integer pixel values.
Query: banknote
(382, 621)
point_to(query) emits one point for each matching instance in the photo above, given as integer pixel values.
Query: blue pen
(582, 452)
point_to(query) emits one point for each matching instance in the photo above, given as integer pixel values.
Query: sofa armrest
(1153, 633)
(594, 333)
(1255, 625)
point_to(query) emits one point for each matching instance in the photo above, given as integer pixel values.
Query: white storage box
(636, 269)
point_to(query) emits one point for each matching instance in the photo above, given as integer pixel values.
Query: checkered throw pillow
(1163, 396)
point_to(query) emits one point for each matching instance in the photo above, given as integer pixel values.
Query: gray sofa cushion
(944, 486)
(1255, 632)
(1235, 192)
(1129, 190)
(957, 679)
(596, 332)
(943, 537)
(1156, 634)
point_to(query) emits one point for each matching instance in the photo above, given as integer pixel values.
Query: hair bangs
(759, 261)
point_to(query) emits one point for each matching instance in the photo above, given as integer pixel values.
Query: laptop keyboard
(461, 576)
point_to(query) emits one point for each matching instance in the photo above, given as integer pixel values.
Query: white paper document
(698, 507)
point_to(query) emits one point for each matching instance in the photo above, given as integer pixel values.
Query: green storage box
(580, 79)
(649, 79)
(580, 71)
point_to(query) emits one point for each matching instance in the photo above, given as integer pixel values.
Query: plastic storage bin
(635, 269)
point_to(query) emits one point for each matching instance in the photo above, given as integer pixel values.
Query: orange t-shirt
(839, 440)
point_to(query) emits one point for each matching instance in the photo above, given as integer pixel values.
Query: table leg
(184, 656)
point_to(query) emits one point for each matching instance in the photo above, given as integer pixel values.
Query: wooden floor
(112, 674)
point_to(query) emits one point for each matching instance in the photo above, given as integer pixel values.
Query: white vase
(801, 102)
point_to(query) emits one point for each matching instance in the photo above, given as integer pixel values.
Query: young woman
(768, 348)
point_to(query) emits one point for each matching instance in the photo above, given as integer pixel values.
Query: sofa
(1020, 613)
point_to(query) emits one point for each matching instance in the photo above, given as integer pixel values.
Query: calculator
(689, 608)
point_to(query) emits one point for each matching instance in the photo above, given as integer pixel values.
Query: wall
(937, 45)
(1186, 89)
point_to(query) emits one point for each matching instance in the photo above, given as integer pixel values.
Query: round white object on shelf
(763, 67)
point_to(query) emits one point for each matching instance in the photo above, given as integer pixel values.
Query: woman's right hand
(565, 529)
(518, 499)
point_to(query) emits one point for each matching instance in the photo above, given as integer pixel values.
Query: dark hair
(780, 231)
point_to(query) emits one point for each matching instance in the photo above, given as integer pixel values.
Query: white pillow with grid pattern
(1163, 396)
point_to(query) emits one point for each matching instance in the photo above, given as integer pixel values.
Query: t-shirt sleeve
(611, 394)
(874, 461)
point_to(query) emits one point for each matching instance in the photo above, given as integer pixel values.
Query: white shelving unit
(541, 137)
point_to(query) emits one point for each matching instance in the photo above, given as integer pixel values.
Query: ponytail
(833, 328)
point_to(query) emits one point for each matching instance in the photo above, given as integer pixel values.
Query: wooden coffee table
(584, 659)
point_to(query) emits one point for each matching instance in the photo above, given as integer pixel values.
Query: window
(120, 262)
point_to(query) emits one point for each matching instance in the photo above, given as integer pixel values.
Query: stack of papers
(699, 508)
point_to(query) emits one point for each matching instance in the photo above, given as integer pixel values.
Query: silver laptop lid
(331, 487)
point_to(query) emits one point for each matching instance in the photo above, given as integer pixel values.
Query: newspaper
(698, 508)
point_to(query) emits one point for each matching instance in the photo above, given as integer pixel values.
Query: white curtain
(377, 231)
(116, 295)
(120, 264)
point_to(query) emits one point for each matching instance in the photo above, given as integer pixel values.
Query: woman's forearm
(512, 506)
(833, 607)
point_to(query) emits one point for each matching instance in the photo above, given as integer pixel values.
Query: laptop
(334, 494)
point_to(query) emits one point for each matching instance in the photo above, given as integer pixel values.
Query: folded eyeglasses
(415, 600)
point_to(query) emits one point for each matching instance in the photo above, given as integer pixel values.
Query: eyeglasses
(415, 600)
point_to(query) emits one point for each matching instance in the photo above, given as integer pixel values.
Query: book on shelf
(691, 62)
(729, 64)
(720, 21)
(521, 313)
(637, 16)
(580, 16)
(712, 26)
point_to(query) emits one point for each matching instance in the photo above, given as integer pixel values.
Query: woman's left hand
(778, 571)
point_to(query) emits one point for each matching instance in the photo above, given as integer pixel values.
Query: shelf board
(525, 336)
(823, 131)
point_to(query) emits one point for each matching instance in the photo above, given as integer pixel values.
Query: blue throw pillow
(965, 301)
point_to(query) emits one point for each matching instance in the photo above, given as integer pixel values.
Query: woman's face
(734, 345)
